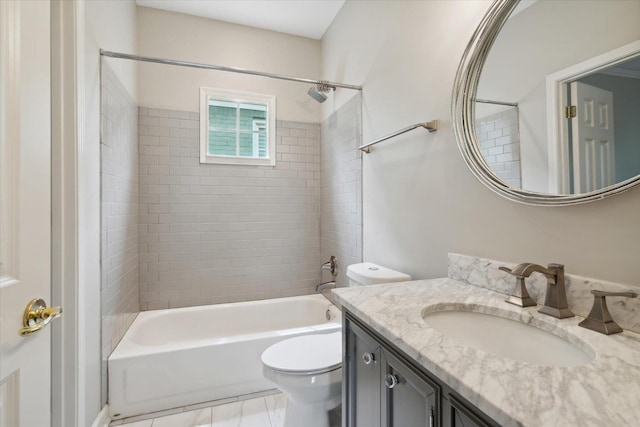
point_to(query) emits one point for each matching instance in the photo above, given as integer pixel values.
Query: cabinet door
(362, 378)
(461, 416)
(408, 399)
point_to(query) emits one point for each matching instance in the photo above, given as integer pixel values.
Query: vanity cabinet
(364, 371)
(461, 416)
(407, 398)
(383, 387)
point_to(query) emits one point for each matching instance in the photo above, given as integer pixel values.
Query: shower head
(318, 92)
(318, 96)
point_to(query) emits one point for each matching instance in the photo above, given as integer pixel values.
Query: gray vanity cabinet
(382, 391)
(383, 387)
(362, 359)
(408, 399)
(461, 416)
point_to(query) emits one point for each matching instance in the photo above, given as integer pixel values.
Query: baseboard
(102, 420)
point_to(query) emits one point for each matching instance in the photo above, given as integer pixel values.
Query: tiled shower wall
(499, 138)
(119, 233)
(223, 233)
(341, 195)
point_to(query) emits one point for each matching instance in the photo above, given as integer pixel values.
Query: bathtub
(183, 356)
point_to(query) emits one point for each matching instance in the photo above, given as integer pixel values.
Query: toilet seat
(307, 354)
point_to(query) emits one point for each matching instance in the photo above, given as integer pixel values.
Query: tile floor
(267, 411)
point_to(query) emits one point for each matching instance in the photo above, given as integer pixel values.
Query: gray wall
(626, 121)
(341, 167)
(167, 34)
(223, 233)
(119, 203)
(420, 199)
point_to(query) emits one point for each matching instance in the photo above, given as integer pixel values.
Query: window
(237, 128)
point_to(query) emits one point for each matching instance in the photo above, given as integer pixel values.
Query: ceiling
(307, 18)
(629, 68)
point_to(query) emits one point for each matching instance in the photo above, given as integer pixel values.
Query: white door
(25, 210)
(592, 138)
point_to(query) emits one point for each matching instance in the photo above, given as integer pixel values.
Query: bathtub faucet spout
(325, 285)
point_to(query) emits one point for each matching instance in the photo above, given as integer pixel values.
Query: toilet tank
(368, 273)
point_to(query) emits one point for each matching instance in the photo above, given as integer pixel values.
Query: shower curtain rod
(488, 101)
(222, 68)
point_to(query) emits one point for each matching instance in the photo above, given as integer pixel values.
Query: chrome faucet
(555, 300)
(326, 285)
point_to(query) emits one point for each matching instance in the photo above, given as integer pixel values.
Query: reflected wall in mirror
(558, 98)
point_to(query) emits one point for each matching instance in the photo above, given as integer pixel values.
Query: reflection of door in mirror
(622, 80)
(592, 137)
(608, 82)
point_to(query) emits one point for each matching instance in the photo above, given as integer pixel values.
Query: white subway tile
(148, 121)
(185, 115)
(189, 124)
(169, 161)
(157, 151)
(168, 122)
(158, 113)
(256, 210)
(148, 160)
(119, 256)
(180, 152)
(158, 131)
(179, 132)
(495, 150)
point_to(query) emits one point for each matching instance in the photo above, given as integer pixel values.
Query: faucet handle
(331, 265)
(603, 294)
(519, 296)
(507, 269)
(599, 319)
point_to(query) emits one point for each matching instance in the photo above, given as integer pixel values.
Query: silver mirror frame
(463, 112)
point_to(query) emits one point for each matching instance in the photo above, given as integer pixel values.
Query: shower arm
(223, 68)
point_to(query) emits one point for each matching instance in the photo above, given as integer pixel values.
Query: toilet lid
(308, 353)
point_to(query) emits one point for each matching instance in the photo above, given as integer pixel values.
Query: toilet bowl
(308, 370)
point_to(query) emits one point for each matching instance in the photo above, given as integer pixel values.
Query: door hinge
(570, 111)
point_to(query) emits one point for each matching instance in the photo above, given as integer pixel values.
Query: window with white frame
(237, 127)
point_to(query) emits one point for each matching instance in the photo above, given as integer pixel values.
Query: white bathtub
(178, 357)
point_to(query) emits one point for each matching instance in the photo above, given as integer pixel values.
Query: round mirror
(546, 102)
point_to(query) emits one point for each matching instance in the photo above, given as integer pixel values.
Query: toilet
(368, 273)
(308, 368)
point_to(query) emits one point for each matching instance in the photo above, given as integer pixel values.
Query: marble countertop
(603, 392)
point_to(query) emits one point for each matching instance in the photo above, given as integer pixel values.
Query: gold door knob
(37, 316)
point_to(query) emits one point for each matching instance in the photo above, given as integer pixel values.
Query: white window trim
(207, 93)
(256, 135)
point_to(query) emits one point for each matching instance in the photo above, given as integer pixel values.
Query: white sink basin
(506, 337)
